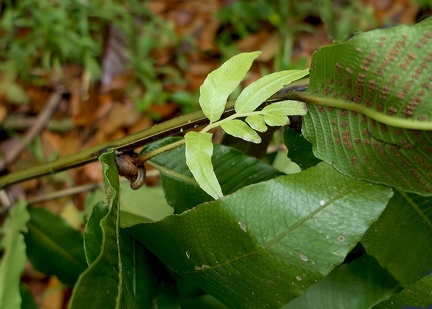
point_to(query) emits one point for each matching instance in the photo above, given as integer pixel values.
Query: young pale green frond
(241, 130)
(199, 150)
(221, 82)
(275, 120)
(257, 92)
(288, 108)
(256, 122)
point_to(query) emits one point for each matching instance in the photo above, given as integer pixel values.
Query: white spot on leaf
(304, 257)
(242, 226)
(322, 202)
(341, 238)
(188, 254)
(298, 278)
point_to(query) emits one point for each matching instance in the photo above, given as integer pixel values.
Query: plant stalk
(176, 126)
(171, 127)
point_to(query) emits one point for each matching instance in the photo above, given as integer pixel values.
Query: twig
(23, 123)
(72, 191)
(37, 127)
(63, 193)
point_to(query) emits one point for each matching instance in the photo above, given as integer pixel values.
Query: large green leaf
(418, 295)
(221, 82)
(142, 270)
(54, 247)
(233, 169)
(168, 297)
(401, 240)
(357, 285)
(372, 116)
(136, 264)
(266, 243)
(107, 277)
(14, 258)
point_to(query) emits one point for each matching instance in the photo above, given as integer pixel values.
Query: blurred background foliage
(105, 38)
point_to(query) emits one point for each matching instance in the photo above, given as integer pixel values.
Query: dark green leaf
(54, 247)
(194, 297)
(417, 295)
(299, 149)
(357, 285)
(203, 301)
(93, 234)
(140, 269)
(401, 240)
(266, 243)
(377, 124)
(168, 297)
(107, 277)
(137, 264)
